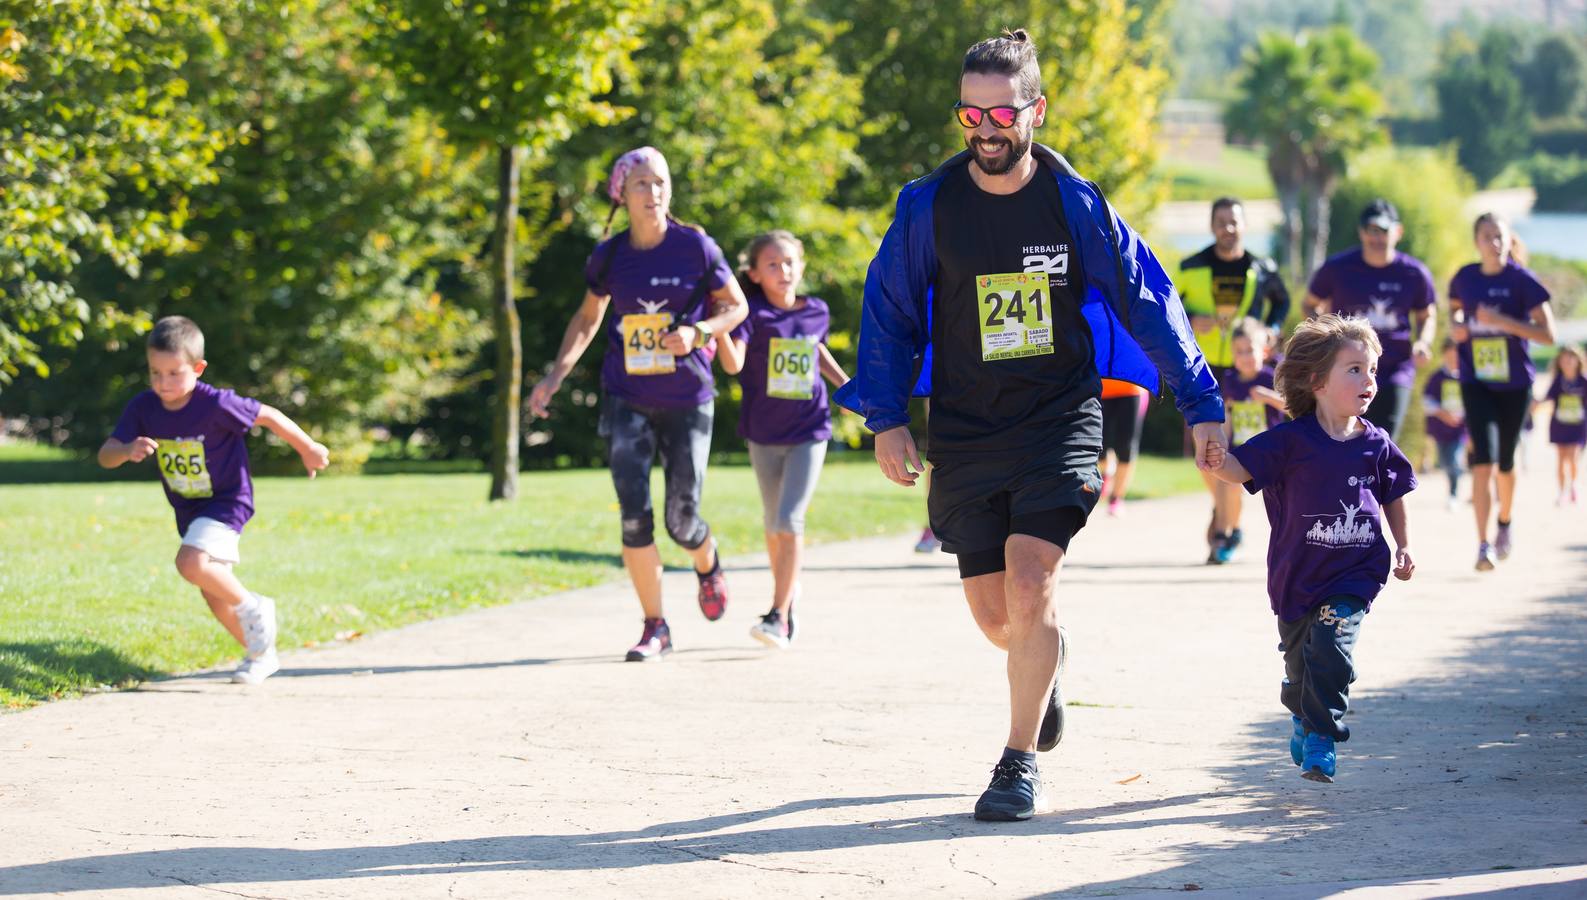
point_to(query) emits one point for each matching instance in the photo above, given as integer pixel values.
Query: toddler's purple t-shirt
(650, 290)
(1387, 297)
(202, 457)
(1324, 499)
(785, 398)
(1568, 423)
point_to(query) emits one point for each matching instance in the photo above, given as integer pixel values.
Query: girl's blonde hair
(1309, 357)
(1573, 350)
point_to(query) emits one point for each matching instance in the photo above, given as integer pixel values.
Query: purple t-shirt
(1247, 416)
(1568, 424)
(203, 458)
(1443, 392)
(1489, 356)
(652, 290)
(785, 398)
(1385, 296)
(1323, 501)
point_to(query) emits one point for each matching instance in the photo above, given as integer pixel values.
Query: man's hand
(316, 456)
(1404, 566)
(140, 448)
(1210, 448)
(895, 453)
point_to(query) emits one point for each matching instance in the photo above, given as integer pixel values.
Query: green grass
(89, 596)
(1240, 172)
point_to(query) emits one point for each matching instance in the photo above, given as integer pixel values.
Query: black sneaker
(1052, 724)
(1013, 795)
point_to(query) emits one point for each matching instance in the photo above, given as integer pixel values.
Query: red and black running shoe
(713, 593)
(655, 643)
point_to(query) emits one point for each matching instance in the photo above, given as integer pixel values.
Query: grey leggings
(787, 474)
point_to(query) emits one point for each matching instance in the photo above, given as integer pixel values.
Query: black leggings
(635, 435)
(1494, 419)
(1121, 426)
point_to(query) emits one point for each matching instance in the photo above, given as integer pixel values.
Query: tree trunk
(1290, 230)
(509, 343)
(1322, 202)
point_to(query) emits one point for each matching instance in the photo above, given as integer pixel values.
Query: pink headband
(626, 163)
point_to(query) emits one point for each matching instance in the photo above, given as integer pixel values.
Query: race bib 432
(642, 351)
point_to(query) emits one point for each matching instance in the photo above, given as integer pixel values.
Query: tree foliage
(1481, 103)
(314, 260)
(1310, 100)
(1555, 77)
(100, 143)
(1104, 73)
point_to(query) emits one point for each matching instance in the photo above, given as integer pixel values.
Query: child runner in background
(195, 433)
(1123, 414)
(1326, 476)
(1446, 417)
(779, 353)
(1251, 406)
(1567, 428)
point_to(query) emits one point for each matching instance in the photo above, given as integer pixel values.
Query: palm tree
(1310, 100)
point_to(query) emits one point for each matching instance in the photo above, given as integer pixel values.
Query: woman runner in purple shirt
(672, 294)
(1496, 307)
(780, 354)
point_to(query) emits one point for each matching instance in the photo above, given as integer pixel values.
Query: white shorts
(213, 537)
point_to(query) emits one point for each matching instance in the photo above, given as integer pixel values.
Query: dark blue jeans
(1318, 668)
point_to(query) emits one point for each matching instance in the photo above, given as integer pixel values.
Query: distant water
(1554, 234)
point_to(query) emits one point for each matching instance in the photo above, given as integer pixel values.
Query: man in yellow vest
(1219, 286)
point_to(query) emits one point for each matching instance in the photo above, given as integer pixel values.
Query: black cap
(1381, 213)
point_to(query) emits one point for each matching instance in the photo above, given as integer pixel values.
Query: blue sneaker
(1318, 764)
(1297, 740)
(1224, 554)
(1014, 795)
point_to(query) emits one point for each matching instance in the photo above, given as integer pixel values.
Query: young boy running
(1325, 476)
(195, 433)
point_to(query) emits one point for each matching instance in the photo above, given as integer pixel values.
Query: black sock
(1504, 523)
(716, 566)
(1028, 757)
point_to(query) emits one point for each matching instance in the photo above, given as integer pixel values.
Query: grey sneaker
(1485, 561)
(255, 669)
(1501, 542)
(259, 625)
(772, 631)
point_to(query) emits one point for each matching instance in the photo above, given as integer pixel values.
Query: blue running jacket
(1138, 325)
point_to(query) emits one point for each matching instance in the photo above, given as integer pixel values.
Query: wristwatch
(702, 333)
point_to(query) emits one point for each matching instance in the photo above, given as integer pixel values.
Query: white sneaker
(255, 669)
(259, 625)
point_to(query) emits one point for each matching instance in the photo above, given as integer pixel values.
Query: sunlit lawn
(89, 597)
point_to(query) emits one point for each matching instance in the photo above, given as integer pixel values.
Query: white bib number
(184, 467)
(1015, 315)
(1450, 398)
(1568, 409)
(791, 369)
(1490, 356)
(642, 352)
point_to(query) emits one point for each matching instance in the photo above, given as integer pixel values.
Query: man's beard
(1017, 148)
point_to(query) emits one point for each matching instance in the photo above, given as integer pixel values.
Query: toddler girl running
(1567, 428)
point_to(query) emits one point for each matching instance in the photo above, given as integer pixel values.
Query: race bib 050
(791, 369)
(1015, 315)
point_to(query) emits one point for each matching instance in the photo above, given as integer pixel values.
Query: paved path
(508, 754)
